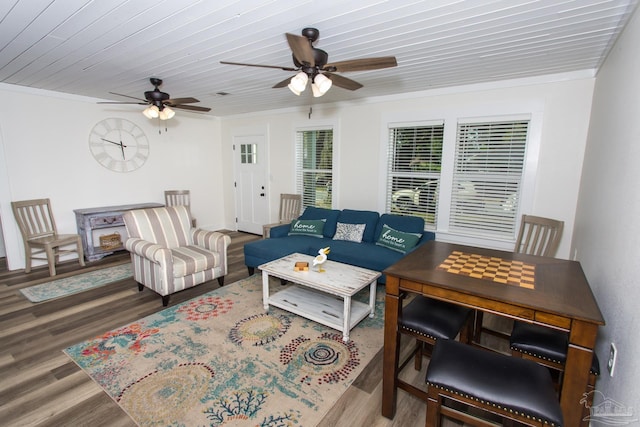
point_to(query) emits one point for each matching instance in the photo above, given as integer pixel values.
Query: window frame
(390, 204)
(298, 159)
(531, 111)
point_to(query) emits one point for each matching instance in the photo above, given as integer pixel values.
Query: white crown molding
(500, 84)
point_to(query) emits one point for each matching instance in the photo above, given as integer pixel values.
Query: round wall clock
(119, 145)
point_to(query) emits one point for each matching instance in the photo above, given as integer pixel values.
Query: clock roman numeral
(102, 157)
(138, 159)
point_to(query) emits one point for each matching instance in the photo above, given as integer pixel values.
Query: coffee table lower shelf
(324, 296)
(326, 309)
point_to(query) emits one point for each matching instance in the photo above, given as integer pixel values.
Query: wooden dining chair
(179, 198)
(537, 236)
(40, 235)
(290, 207)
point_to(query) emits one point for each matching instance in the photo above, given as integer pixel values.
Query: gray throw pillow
(349, 232)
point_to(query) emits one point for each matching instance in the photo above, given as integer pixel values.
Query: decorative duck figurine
(321, 259)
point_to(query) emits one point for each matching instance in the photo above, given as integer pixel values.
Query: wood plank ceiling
(93, 47)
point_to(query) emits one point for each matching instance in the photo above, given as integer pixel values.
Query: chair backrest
(169, 226)
(290, 206)
(34, 218)
(177, 198)
(539, 236)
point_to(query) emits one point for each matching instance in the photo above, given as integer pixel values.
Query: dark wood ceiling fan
(160, 99)
(314, 61)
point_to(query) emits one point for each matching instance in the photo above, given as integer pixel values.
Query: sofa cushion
(397, 240)
(329, 215)
(261, 251)
(368, 218)
(193, 259)
(349, 232)
(307, 227)
(364, 254)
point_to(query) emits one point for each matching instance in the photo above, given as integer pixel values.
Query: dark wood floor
(41, 386)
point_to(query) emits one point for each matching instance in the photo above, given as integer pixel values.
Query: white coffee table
(315, 298)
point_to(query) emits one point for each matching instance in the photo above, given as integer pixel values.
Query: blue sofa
(365, 253)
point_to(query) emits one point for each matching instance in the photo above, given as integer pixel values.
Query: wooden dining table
(540, 290)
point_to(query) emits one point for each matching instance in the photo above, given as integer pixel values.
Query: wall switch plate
(611, 364)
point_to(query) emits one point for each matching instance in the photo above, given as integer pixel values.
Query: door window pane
(248, 153)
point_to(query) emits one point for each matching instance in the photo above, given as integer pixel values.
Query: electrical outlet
(611, 364)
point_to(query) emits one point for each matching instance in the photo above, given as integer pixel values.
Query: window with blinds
(415, 160)
(487, 178)
(314, 167)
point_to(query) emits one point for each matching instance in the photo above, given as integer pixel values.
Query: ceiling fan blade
(127, 96)
(258, 65)
(123, 102)
(343, 82)
(283, 83)
(301, 48)
(363, 64)
(191, 108)
(174, 101)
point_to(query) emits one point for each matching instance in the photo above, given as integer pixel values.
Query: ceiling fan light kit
(159, 104)
(298, 83)
(151, 112)
(312, 64)
(321, 84)
(166, 113)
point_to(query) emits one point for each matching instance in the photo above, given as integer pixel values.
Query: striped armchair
(168, 255)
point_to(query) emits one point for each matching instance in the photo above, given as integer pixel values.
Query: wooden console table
(107, 219)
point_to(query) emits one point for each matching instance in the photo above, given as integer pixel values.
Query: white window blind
(487, 177)
(415, 161)
(314, 167)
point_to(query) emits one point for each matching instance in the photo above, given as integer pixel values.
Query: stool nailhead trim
(404, 328)
(546, 358)
(495, 405)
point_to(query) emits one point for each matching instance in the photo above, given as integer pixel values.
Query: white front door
(251, 182)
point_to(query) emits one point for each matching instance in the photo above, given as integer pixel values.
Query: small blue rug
(72, 285)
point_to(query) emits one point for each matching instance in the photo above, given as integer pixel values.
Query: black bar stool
(429, 320)
(512, 388)
(548, 347)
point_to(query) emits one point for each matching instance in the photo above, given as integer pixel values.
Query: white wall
(607, 229)
(48, 156)
(45, 153)
(360, 139)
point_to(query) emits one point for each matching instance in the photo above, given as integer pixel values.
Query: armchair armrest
(211, 240)
(266, 229)
(149, 250)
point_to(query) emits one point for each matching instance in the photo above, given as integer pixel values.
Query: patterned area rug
(221, 360)
(74, 284)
